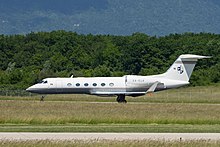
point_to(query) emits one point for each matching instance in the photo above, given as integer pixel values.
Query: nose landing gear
(42, 98)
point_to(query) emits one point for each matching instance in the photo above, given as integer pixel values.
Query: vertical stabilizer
(183, 67)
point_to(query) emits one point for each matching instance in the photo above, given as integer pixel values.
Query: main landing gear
(121, 99)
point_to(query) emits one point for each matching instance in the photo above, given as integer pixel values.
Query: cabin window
(45, 82)
(86, 84)
(103, 84)
(111, 84)
(77, 84)
(94, 84)
(69, 84)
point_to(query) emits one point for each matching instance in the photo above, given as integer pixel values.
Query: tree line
(26, 59)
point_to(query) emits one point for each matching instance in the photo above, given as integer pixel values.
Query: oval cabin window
(69, 84)
(111, 84)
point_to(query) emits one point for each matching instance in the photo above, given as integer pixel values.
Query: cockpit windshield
(43, 82)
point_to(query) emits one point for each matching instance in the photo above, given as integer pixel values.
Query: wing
(153, 87)
(132, 93)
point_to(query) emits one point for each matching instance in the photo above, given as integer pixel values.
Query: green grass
(35, 112)
(107, 143)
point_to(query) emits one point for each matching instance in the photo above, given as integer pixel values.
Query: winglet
(153, 87)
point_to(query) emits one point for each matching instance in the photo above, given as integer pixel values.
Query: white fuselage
(126, 85)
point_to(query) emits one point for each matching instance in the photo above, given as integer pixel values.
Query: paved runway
(110, 136)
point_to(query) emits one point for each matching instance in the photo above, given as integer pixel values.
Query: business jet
(129, 85)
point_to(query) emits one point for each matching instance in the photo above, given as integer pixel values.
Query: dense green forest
(26, 59)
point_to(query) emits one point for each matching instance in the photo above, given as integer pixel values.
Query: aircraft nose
(31, 89)
(36, 89)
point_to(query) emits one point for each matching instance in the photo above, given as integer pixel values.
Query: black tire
(121, 99)
(118, 99)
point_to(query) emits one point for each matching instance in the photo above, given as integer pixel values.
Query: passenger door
(59, 86)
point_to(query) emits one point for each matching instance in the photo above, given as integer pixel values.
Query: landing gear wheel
(42, 98)
(121, 99)
(118, 99)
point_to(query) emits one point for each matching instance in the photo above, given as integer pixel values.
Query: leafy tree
(101, 71)
(26, 59)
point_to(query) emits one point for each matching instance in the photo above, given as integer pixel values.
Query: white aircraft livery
(129, 85)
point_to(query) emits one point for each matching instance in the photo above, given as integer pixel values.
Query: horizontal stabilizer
(153, 87)
(189, 56)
